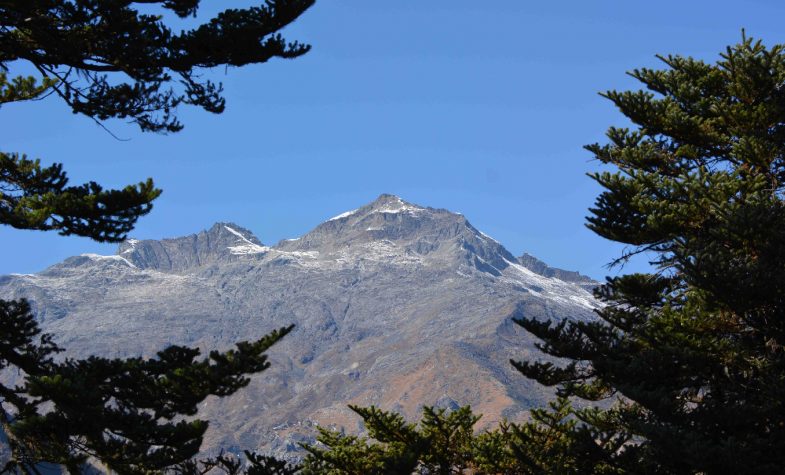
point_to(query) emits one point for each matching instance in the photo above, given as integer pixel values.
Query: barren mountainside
(395, 305)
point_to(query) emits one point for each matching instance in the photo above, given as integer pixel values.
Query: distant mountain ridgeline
(396, 305)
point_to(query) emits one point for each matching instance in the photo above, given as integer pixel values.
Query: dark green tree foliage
(35, 197)
(556, 442)
(126, 413)
(553, 442)
(440, 445)
(253, 464)
(694, 352)
(106, 60)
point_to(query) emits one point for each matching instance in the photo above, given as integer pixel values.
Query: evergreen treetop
(692, 352)
(445, 442)
(105, 59)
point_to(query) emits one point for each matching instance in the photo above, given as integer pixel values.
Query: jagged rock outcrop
(395, 304)
(539, 267)
(221, 243)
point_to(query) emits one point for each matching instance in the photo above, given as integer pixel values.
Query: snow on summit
(388, 204)
(383, 296)
(343, 215)
(247, 247)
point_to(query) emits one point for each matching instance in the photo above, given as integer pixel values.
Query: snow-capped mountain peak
(219, 243)
(396, 304)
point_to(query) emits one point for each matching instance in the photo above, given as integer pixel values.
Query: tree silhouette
(694, 351)
(106, 59)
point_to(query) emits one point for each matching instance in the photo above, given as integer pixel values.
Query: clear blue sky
(479, 107)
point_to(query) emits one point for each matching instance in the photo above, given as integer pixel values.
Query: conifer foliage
(441, 444)
(125, 413)
(106, 59)
(36, 197)
(446, 442)
(693, 352)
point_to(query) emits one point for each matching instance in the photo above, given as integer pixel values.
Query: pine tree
(692, 352)
(105, 59)
(253, 464)
(125, 413)
(441, 444)
(446, 443)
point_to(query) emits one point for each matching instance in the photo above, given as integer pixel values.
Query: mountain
(539, 267)
(396, 305)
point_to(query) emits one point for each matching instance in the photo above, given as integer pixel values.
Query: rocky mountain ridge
(396, 305)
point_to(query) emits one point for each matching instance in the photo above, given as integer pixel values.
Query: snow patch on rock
(249, 248)
(98, 257)
(551, 288)
(343, 215)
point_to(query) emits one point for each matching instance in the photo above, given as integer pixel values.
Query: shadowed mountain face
(179, 255)
(396, 305)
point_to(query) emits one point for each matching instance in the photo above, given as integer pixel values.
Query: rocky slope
(396, 305)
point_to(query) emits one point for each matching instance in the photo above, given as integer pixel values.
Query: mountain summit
(389, 223)
(180, 254)
(395, 304)
(388, 217)
(387, 229)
